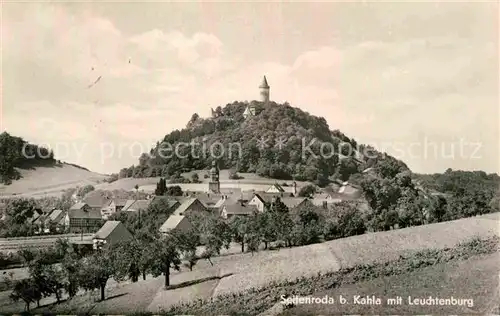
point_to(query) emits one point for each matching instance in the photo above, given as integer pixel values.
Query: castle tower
(264, 90)
(214, 184)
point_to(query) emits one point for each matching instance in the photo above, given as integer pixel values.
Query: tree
(187, 243)
(216, 233)
(167, 257)
(26, 291)
(240, 228)
(128, 256)
(174, 190)
(96, 270)
(266, 227)
(84, 190)
(71, 267)
(161, 187)
(307, 191)
(195, 178)
(20, 210)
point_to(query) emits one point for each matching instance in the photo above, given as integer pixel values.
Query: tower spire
(264, 90)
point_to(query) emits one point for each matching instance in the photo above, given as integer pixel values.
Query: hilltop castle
(264, 92)
(264, 97)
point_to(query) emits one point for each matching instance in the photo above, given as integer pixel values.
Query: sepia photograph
(257, 158)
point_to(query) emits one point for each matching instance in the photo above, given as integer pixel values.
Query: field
(243, 271)
(52, 181)
(476, 278)
(49, 181)
(249, 182)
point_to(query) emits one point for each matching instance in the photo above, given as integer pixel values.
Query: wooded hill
(273, 122)
(15, 152)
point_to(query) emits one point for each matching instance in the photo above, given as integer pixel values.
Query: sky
(417, 80)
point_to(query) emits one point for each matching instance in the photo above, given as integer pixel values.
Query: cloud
(153, 81)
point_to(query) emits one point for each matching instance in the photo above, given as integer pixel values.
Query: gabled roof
(186, 205)
(135, 205)
(319, 202)
(107, 229)
(35, 216)
(96, 200)
(172, 222)
(260, 197)
(292, 202)
(55, 215)
(278, 187)
(226, 201)
(238, 209)
(80, 213)
(78, 206)
(120, 202)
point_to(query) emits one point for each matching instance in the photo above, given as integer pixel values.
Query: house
(178, 223)
(111, 233)
(96, 201)
(207, 199)
(238, 209)
(325, 203)
(116, 205)
(190, 205)
(275, 188)
(294, 203)
(81, 218)
(171, 203)
(289, 190)
(54, 220)
(258, 202)
(136, 205)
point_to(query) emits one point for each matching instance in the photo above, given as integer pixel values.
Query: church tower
(264, 90)
(214, 184)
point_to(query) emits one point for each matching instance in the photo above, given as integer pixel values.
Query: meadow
(49, 181)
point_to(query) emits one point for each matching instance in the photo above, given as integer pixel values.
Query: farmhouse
(276, 188)
(238, 209)
(324, 203)
(294, 203)
(136, 205)
(258, 202)
(178, 223)
(116, 205)
(96, 201)
(111, 233)
(54, 221)
(81, 218)
(190, 205)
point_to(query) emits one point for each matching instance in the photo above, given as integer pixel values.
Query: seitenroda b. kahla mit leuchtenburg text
(374, 300)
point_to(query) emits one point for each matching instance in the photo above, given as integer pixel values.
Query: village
(88, 217)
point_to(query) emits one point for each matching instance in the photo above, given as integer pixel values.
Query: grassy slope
(49, 181)
(476, 278)
(257, 270)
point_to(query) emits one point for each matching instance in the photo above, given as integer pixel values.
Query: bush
(307, 191)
